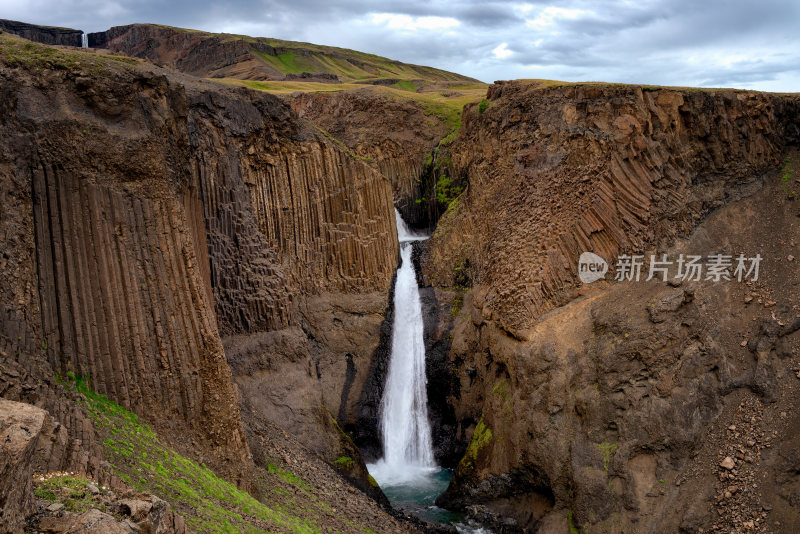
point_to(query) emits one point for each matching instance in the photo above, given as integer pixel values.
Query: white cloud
(502, 51)
(548, 17)
(395, 21)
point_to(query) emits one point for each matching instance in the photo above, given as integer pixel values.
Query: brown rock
(20, 428)
(135, 508)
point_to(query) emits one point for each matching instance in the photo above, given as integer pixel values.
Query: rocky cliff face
(43, 34)
(159, 228)
(102, 245)
(610, 407)
(395, 136)
(609, 169)
(302, 250)
(188, 51)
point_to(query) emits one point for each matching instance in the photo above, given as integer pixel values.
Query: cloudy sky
(751, 44)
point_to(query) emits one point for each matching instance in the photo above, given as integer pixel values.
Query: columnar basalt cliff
(395, 136)
(159, 228)
(598, 168)
(608, 406)
(302, 253)
(114, 290)
(43, 34)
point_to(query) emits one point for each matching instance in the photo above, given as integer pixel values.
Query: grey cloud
(739, 42)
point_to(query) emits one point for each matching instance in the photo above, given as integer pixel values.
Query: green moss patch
(607, 450)
(345, 463)
(480, 439)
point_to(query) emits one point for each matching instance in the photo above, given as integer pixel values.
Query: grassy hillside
(443, 101)
(277, 58)
(349, 65)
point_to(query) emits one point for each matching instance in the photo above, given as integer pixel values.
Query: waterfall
(84, 40)
(406, 432)
(404, 233)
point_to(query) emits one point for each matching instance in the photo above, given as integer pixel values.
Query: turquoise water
(416, 495)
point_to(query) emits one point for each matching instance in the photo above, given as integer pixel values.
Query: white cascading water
(406, 432)
(84, 40)
(408, 473)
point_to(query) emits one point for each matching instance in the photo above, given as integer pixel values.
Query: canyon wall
(610, 406)
(592, 168)
(100, 238)
(159, 229)
(302, 250)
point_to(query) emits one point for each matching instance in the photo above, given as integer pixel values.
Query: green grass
(446, 190)
(18, 52)
(455, 308)
(572, 528)
(209, 503)
(288, 476)
(68, 489)
(289, 62)
(405, 85)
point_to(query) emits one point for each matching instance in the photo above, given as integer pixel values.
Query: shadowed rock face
(43, 34)
(612, 403)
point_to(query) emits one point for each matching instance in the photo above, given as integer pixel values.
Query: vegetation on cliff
(481, 437)
(208, 503)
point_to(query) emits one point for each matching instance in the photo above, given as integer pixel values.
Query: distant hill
(221, 55)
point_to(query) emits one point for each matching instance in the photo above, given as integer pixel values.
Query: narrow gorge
(232, 303)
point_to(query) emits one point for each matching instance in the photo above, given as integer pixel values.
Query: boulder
(20, 427)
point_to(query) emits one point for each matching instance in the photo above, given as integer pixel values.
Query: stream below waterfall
(408, 473)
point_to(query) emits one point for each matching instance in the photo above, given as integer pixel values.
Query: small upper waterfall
(84, 40)
(404, 233)
(406, 432)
